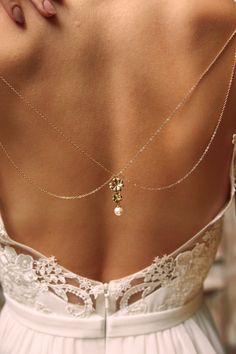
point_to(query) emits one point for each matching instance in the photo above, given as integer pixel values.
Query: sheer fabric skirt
(195, 335)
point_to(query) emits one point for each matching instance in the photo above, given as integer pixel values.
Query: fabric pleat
(196, 335)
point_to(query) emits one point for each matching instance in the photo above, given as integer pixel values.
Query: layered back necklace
(115, 181)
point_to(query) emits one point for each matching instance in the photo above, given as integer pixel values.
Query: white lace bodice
(26, 279)
(170, 281)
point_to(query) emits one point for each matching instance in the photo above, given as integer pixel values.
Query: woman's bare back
(108, 73)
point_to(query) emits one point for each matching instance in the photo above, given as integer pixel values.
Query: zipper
(106, 307)
(106, 297)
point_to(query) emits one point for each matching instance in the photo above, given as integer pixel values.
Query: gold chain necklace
(115, 182)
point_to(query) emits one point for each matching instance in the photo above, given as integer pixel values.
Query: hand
(14, 9)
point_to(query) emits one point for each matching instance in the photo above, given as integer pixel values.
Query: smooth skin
(107, 73)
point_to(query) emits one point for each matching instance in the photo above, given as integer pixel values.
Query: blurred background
(220, 292)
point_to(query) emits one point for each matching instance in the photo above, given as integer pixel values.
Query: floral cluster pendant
(116, 186)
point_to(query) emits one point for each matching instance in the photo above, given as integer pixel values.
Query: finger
(14, 11)
(45, 7)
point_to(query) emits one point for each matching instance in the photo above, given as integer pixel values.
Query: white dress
(158, 310)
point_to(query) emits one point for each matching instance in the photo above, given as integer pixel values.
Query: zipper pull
(106, 295)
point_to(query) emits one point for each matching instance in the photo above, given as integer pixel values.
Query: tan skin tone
(107, 72)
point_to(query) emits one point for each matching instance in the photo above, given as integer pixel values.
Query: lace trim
(183, 275)
(25, 279)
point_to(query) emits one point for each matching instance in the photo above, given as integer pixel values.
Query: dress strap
(233, 166)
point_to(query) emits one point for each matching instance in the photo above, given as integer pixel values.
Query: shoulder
(19, 46)
(213, 21)
(217, 12)
(201, 26)
(202, 21)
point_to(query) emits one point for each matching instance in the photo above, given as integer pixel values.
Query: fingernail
(18, 15)
(48, 6)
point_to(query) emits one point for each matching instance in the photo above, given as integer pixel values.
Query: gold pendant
(116, 186)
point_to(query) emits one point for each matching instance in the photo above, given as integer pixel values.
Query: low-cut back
(160, 309)
(157, 310)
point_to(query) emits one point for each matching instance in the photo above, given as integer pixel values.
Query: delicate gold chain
(186, 97)
(208, 145)
(44, 190)
(130, 162)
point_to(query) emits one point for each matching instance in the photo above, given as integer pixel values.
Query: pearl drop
(118, 211)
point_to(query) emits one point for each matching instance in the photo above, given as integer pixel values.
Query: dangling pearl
(118, 211)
